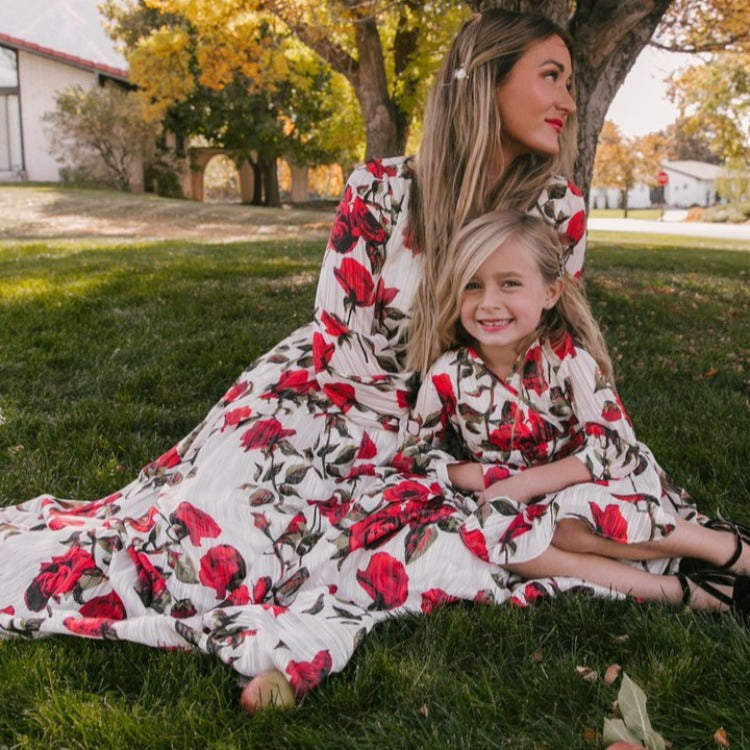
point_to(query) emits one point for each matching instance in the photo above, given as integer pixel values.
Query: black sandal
(708, 578)
(741, 533)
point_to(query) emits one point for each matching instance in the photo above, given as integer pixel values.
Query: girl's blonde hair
(475, 243)
(461, 139)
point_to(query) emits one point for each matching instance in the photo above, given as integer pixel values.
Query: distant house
(691, 183)
(30, 78)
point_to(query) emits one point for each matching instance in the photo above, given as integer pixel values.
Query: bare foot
(269, 689)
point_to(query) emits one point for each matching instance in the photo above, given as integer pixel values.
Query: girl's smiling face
(502, 304)
(535, 99)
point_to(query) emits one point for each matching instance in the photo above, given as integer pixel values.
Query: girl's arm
(538, 480)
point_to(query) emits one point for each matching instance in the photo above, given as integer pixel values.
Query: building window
(11, 153)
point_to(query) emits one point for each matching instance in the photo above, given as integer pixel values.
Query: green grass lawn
(111, 353)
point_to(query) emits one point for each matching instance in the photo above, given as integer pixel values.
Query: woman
(223, 543)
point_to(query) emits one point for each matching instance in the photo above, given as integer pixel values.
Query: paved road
(685, 228)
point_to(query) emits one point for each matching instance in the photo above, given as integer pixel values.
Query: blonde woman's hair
(472, 245)
(462, 135)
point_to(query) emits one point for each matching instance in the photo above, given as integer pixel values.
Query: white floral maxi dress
(224, 542)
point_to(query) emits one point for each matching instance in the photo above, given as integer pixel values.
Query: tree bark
(378, 108)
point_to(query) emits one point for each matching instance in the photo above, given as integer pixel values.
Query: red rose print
(168, 460)
(235, 416)
(534, 592)
(322, 352)
(291, 383)
(222, 568)
(9, 610)
(196, 524)
(573, 188)
(376, 528)
(235, 392)
(376, 168)
(494, 474)
(151, 586)
(406, 490)
(356, 281)
(475, 541)
(576, 227)
(238, 598)
(109, 606)
(333, 326)
(333, 509)
(383, 297)
(306, 675)
(265, 434)
(385, 580)
(365, 224)
(522, 523)
(611, 411)
(403, 399)
(435, 598)
(342, 395)
(90, 627)
(533, 374)
(367, 448)
(565, 347)
(261, 589)
(342, 238)
(444, 388)
(58, 576)
(609, 522)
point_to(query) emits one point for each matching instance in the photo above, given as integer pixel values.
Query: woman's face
(534, 100)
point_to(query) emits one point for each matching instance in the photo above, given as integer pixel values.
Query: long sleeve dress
(231, 541)
(556, 403)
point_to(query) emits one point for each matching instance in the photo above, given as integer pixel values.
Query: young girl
(520, 381)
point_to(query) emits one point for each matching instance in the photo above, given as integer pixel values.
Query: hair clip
(460, 73)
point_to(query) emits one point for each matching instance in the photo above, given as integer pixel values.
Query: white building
(30, 78)
(691, 183)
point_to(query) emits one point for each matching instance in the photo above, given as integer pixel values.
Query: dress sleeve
(430, 430)
(358, 328)
(609, 447)
(562, 204)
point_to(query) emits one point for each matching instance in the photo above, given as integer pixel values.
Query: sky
(641, 105)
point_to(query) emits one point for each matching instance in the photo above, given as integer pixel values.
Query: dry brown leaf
(612, 673)
(588, 674)
(721, 737)
(537, 656)
(424, 710)
(16, 449)
(710, 374)
(590, 734)
(624, 638)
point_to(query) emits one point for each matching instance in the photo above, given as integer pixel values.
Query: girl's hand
(515, 487)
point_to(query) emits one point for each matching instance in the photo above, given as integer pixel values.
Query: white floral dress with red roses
(231, 542)
(555, 403)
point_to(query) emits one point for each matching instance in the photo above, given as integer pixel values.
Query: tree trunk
(270, 181)
(609, 35)
(371, 85)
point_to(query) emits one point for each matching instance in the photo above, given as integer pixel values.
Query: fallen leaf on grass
(424, 710)
(721, 737)
(635, 725)
(589, 734)
(537, 656)
(16, 449)
(588, 674)
(710, 374)
(612, 673)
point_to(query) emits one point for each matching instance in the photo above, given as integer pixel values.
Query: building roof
(700, 170)
(7, 40)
